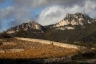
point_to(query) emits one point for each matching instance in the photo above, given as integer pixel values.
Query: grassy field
(33, 50)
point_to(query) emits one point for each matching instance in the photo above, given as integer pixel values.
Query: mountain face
(74, 27)
(71, 20)
(25, 26)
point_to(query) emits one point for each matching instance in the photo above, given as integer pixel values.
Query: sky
(44, 12)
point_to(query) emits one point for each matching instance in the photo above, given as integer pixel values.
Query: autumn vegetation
(33, 50)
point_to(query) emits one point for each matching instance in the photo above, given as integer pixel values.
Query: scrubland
(33, 50)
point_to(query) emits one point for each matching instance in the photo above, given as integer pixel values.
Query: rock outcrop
(72, 20)
(69, 23)
(25, 26)
(29, 25)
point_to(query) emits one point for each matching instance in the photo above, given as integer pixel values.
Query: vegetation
(85, 34)
(38, 53)
(5, 35)
(85, 56)
(33, 50)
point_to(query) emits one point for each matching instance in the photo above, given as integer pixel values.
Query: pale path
(52, 42)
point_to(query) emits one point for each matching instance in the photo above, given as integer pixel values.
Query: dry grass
(34, 50)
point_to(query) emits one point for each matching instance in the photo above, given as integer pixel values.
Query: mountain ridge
(74, 27)
(73, 20)
(25, 26)
(69, 22)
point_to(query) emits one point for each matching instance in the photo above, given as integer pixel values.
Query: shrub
(5, 35)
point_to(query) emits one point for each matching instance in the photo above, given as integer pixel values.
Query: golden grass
(35, 50)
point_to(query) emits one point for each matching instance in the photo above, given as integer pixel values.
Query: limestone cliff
(72, 20)
(69, 22)
(25, 26)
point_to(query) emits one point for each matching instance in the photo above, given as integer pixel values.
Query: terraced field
(11, 48)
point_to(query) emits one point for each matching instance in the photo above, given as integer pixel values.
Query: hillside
(25, 50)
(12, 48)
(73, 28)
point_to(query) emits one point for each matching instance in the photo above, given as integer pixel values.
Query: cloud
(54, 14)
(19, 15)
(44, 3)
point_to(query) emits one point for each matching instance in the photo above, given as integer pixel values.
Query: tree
(5, 35)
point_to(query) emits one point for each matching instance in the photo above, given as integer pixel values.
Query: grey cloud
(20, 15)
(44, 3)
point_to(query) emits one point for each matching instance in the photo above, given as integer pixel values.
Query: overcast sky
(45, 12)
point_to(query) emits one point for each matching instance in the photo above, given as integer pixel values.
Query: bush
(87, 55)
(5, 35)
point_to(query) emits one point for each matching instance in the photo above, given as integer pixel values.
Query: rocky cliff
(25, 26)
(71, 20)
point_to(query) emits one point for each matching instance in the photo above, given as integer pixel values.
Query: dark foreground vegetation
(48, 61)
(28, 61)
(5, 35)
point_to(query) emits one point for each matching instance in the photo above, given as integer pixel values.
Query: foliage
(5, 35)
(83, 56)
(21, 33)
